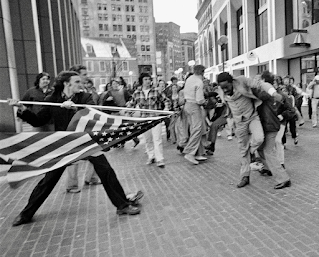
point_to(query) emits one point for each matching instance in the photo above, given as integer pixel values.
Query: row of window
(108, 66)
(129, 28)
(145, 48)
(118, 8)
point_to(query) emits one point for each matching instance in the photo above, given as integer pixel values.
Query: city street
(187, 210)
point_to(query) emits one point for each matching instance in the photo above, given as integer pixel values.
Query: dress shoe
(160, 164)
(265, 172)
(134, 198)
(244, 182)
(180, 149)
(283, 185)
(200, 158)
(191, 158)
(130, 210)
(19, 220)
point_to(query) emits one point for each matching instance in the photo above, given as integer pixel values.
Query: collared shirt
(153, 101)
(241, 106)
(193, 90)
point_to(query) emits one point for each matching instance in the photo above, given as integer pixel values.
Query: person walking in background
(67, 91)
(148, 97)
(38, 93)
(238, 93)
(92, 90)
(91, 178)
(194, 97)
(314, 96)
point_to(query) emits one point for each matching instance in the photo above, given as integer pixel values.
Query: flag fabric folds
(89, 132)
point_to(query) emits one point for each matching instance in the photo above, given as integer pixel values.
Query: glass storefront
(308, 12)
(309, 68)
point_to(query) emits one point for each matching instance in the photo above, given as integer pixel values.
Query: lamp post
(222, 41)
(115, 54)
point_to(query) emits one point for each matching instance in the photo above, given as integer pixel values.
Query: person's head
(206, 82)
(316, 79)
(267, 76)
(115, 83)
(225, 81)
(145, 80)
(90, 84)
(284, 90)
(174, 80)
(42, 80)
(82, 71)
(278, 81)
(199, 70)
(68, 82)
(161, 85)
(108, 87)
(286, 80)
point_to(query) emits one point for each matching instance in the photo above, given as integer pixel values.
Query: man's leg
(220, 121)
(90, 178)
(158, 142)
(257, 134)
(39, 195)
(314, 106)
(149, 145)
(112, 185)
(72, 181)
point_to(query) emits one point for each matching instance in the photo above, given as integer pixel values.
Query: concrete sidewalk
(187, 210)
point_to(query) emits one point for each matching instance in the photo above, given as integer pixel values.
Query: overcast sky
(181, 12)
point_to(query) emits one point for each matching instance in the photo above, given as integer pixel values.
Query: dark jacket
(270, 109)
(60, 116)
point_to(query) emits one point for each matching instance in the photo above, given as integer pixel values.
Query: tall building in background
(188, 49)
(168, 49)
(130, 19)
(35, 36)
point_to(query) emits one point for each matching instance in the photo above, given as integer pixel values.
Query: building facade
(133, 19)
(188, 50)
(169, 48)
(35, 36)
(281, 36)
(107, 58)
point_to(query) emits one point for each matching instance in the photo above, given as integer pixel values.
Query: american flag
(30, 154)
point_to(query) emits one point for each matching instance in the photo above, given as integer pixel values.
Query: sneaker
(200, 158)
(135, 197)
(130, 210)
(191, 158)
(160, 164)
(229, 138)
(73, 190)
(150, 161)
(296, 140)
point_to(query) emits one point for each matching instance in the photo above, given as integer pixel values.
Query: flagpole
(92, 106)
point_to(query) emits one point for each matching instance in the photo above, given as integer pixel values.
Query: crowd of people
(257, 111)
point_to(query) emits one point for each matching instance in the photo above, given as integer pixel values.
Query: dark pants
(309, 108)
(103, 169)
(218, 123)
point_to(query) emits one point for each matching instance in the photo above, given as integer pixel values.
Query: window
(118, 7)
(119, 17)
(146, 18)
(106, 27)
(148, 58)
(100, 26)
(113, 17)
(86, 33)
(102, 66)
(85, 11)
(261, 22)
(127, 8)
(141, 9)
(128, 18)
(102, 80)
(142, 28)
(145, 9)
(142, 38)
(147, 28)
(147, 38)
(125, 66)
(105, 7)
(143, 48)
(99, 16)
(148, 48)
(101, 35)
(133, 28)
(129, 36)
(132, 8)
(128, 27)
(99, 6)
(240, 31)
(141, 18)
(144, 57)
(114, 27)
(120, 27)
(134, 37)
(113, 7)
(133, 18)
(89, 65)
(84, 1)
(106, 35)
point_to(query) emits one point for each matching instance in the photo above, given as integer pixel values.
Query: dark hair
(143, 75)
(199, 69)
(224, 76)
(63, 76)
(268, 76)
(173, 78)
(77, 68)
(123, 82)
(39, 76)
(90, 81)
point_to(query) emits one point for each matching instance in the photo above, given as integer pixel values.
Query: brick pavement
(187, 210)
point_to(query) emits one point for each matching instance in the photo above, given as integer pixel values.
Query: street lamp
(115, 54)
(222, 41)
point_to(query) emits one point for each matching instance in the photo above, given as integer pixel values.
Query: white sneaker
(191, 158)
(229, 138)
(256, 166)
(314, 125)
(200, 158)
